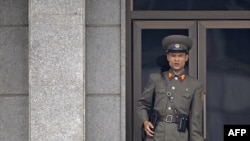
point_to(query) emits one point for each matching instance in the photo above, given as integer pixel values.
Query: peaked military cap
(177, 43)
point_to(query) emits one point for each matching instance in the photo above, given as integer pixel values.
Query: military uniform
(182, 94)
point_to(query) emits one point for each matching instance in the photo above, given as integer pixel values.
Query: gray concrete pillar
(57, 70)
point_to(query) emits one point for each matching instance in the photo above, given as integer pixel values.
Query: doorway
(219, 58)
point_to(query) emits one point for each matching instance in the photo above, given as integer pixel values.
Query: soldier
(175, 96)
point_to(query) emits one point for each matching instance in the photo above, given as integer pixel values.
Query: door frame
(202, 67)
(197, 60)
(202, 26)
(132, 15)
(138, 26)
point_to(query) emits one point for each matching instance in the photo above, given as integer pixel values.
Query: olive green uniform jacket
(187, 100)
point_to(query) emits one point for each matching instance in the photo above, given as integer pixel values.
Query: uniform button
(169, 108)
(173, 87)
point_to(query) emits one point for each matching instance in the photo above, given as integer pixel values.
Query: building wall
(105, 36)
(23, 101)
(14, 70)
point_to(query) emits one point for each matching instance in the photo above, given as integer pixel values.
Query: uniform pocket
(187, 95)
(185, 101)
(160, 99)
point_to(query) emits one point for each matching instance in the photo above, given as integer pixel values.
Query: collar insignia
(181, 78)
(170, 76)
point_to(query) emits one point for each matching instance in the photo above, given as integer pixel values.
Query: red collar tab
(181, 77)
(170, 76)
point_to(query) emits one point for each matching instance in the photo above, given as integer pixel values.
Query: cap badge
(177, 45)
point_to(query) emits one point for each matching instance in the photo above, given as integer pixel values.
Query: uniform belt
(169, 118)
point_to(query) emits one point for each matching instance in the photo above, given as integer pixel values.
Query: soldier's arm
(145, 101)
(195, 118)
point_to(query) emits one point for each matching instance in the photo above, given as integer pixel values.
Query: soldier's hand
(148, 128)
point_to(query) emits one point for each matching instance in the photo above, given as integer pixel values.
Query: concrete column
(57, 70)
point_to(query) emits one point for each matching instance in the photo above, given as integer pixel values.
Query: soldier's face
(177, 61)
